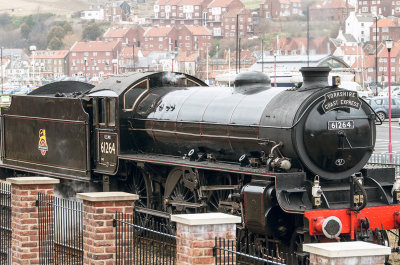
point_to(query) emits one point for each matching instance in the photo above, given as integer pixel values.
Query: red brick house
(160, 39)
(99, 56)
(117, 11)
(280, 8)
(194, 38)
(215, 12)
(368, 63)
(388, 28)
(125, 35)
(179, 12)
(127, 58)
(49, 64)
(246, 26)
(298, 46)
(377, 7)
(333, 10)
(187, 63)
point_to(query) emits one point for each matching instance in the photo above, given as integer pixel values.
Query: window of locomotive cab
(148, 104)
(190, 83)
(134, 93)
(104, 111)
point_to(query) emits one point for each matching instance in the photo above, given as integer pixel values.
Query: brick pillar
(98, 233)
(196, 236)
(347, 253)
(24, 216)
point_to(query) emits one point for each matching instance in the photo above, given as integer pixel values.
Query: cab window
(134, 93)
(104, 111)
(148, 104)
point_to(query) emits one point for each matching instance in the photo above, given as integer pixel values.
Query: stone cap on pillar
(33, 181)
(346, 249)
(206, 219)
(107, 196)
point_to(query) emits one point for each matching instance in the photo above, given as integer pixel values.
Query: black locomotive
(289, 161)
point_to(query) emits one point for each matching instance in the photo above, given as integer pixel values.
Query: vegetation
(94, 31)
(40, 30)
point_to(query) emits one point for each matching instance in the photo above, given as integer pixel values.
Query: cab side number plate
(340, 125)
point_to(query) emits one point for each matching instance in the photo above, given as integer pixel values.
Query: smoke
(173, 79)
(68, 211)
(67, 189)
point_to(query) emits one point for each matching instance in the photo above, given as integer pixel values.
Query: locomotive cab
(105, 125)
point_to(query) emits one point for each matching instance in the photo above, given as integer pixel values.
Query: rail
(60, 230)
(254, 253)
(5, 223)
(141, 239)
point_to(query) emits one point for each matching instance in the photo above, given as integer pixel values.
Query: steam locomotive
(291, 162)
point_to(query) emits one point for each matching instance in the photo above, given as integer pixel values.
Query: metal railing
(254, 253)
(5, 223)
(383, 160)
(143, 240)
(60, 230)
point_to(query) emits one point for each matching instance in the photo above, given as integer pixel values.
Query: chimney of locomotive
(314, 77)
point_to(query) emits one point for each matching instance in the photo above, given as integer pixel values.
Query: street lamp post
(85, 58)
(32, 48)
(2, 70)
(389, 45)
(376, 56)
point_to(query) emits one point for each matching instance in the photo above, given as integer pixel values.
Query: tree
(67, 27)
(5, 19)
(92, 32)
(55, 44)
(25, 30)
(56, 31)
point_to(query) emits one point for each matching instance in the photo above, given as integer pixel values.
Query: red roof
(50, 54)
(161, 2)
(395, 51)
(219, 3)
(190, 2)
(94, 46)
(199, 30)
(386, 22)
(172, 2)
(115, 33)
(157, 32)
(331, 4)
(188, 57)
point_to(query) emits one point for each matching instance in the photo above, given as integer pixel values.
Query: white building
(358, 25)
(93, 14)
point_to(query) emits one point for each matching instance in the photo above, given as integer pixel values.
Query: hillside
(27, 7)
(252, 4)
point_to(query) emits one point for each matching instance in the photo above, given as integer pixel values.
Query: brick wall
(98, 232)
(24, 217)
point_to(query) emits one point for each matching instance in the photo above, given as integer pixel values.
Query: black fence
(244, 253)
(142, 240)
(60, 230)
(5, 223)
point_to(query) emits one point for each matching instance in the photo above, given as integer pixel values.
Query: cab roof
(120, 83)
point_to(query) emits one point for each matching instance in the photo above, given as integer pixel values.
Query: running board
(153, 212)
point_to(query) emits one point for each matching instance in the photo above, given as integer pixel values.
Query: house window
(187, 37)
(94, 53)
(74, 54)
(107, 53)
